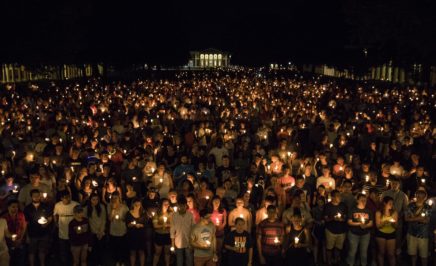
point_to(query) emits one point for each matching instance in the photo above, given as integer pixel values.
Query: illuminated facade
(209, 58)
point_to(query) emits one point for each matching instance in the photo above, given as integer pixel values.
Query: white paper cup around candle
(44, 195)
(134, 222)
(94, 183)
(165, 219)
(79, 228)
(217, 221)
(339, 215)
(423, 214)
(207, 197)
(362, 220)
(161, 180)
(422, 180)
(276, 240)
(392, 220)
(42, 220)
(14, 237)
(296, 240)
(208, 243)
(175, 209)
(117, 217)
(172, 249)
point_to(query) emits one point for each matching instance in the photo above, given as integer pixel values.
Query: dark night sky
(255, 33)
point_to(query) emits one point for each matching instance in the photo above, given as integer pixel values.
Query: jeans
(184, 254)
(362, 242)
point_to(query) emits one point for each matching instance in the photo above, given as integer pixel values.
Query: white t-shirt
(66, 215)
(328, 182)
(3, 246)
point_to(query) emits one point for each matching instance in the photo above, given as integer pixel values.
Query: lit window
(211, 56)
(206, 56)
(215, 56)
(220, 56)
(202, 56)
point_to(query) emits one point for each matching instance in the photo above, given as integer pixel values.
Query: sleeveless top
(388, 228)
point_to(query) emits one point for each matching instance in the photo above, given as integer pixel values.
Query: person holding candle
(386, 219)
(417, 216)
(401, 202)
(39, 229)
(219, 218)
(318, 231)
(96, 214)
(35, 183)
(297, 240)
(190, 199)
(203, 241)
(117, 228)
(181, 223)
(17, 226)
(242, 212)
(326, 179)
(269, 240)
(335, 216)
(162, 180)
(135, 221)
(79, 235)
(162, 240)
(360, 222)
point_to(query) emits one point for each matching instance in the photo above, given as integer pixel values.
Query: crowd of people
(241, 167)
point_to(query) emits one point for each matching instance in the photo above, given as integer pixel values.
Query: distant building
(209, 58)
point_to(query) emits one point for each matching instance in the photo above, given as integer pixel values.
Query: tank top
(388, 228)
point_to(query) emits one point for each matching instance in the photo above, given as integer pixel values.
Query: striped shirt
(271, 234)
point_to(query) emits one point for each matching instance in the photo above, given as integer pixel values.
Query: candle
(14, 237)
(392, 220)
(387, 182)
(330, 184)
(341, 168)
(362, 220)
(117, 217)
(161, 180)
(165, 219)
(430, 202)
(276, 240)
(79, 228)
(367, 178)
(134, 178)
(208, 243)
(423, 214)
(339, 215)
(42, 220)
(217, 221)
(133, 222)
(296, 240)
(175, 208)
(207, 197)
(423, 180)
(152, 214)
(54, 161)
(44, 195)
(241, 216)
(94, 183)
(172, 249)
(15, 190)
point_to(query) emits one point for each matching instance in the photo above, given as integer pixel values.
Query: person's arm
(250, 256)
(259, 248)
(231, 221)
(172, 232)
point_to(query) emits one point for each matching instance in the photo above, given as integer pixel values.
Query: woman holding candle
(117, 228)
(360, 222)
(219, 219)
(135, 222)
(386, 223)
(80, 236)
(162, 240)
(297, 241)
(192, 208)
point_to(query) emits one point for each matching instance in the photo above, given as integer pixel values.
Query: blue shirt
(417, 229)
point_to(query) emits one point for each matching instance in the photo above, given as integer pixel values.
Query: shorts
(387, 236)
(417, 246)
(162, 239)
(334, 240)
(39, 244)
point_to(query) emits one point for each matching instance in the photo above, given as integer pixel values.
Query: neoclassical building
(209, 58)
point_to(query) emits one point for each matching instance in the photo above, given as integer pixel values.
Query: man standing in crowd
(203, 241)
(181, 223)
(270, 238)
(39, 217)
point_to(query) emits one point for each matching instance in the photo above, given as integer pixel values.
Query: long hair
(90, 208)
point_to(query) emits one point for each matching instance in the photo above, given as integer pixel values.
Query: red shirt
(15, 223)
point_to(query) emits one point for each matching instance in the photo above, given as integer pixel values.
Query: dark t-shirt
(32, 215)
(243, 242)
(356, 215)
(336, 227)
